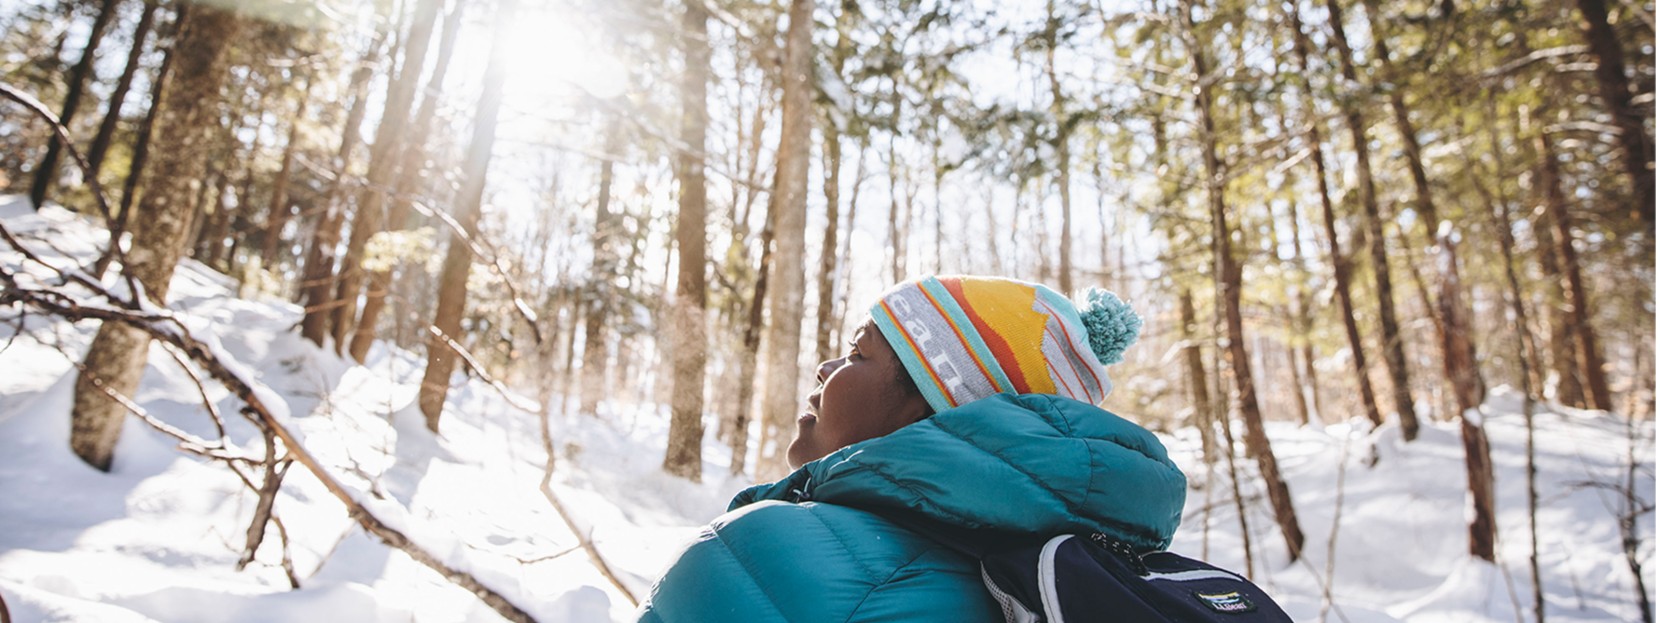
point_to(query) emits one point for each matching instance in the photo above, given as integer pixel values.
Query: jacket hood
(1032, 465)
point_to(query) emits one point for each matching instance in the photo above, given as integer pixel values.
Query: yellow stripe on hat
(1006, 306)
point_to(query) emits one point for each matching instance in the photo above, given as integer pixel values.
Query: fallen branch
(166, 328)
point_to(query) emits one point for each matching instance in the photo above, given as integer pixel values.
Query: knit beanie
(964, 338)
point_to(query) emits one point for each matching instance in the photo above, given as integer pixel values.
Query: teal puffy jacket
(820, 545)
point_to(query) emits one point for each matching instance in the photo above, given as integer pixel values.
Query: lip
(814, 401)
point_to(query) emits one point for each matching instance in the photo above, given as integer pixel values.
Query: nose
(825, 368)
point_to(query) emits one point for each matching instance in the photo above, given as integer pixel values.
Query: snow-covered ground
(158, 538)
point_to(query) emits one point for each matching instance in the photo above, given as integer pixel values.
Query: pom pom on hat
(1111, 324)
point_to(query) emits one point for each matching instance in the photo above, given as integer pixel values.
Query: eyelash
(853, 349)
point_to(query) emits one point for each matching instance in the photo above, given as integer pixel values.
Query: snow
(157, 538)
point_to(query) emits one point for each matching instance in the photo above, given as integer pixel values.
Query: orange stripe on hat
(960, 337)
(994, 342)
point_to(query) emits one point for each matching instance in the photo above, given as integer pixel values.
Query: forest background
(1325, 210)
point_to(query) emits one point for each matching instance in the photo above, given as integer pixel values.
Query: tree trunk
(409, 170)
(458, 258)
(1452, 314)
(276, 215)
(112, 115)
(141, 146)
(118, 352)
(1063, 153)
(827, 273)
(213, 235)
(1461, 367)
(384, 158)
(1612, 85)
(789, 213)
(1228, 274)
(1394, 347)
(1194, 358)
(1518, 327)
(607, 228)
(685, 453)
(1588, 353)
(1339, 261)
(317, 287)
(896, 233)
(47, 173)
(751, 348)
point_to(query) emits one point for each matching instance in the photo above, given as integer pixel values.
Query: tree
(316, 287)
(1394, 348)
(116, 358)
(607, 235)
(685, 453)
(409, 173)
(1458, 351)
(277, 213)
(1064, 123)
(46, 174)
(112, 116)
(384, 158)
(444, 337)
(1612, 85)
(1228, 277)
(788, 210)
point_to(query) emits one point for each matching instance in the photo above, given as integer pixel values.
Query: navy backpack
(1092, 578)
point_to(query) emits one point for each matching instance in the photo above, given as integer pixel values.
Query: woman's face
(859, 397)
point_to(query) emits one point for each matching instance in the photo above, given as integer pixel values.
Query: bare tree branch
(168, 329)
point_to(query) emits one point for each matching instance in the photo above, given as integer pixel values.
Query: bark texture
(789, 214)
(185, 125)
(685, 451)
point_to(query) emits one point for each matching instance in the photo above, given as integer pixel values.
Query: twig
(187, 442)
(587, 543)
(1326, 600)
(39, 109)
(478, 368)
(491, 260)
(287, 554)
(207, 403)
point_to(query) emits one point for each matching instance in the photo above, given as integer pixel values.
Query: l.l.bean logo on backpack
(1230, 602)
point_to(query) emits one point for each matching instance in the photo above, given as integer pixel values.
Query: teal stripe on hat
(915, 364)
(976, 345)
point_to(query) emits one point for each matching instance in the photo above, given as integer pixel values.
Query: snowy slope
(158, 538)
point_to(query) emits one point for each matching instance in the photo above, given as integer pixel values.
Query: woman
(964, 404)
